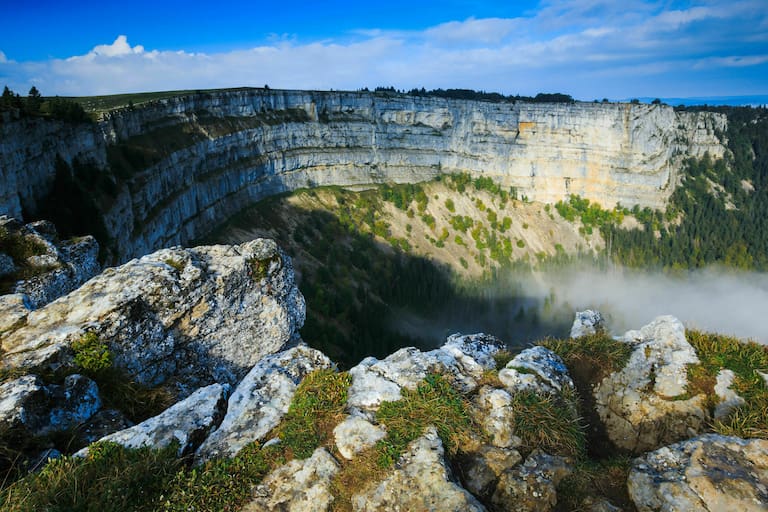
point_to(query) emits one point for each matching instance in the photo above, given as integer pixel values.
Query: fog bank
(715, 300)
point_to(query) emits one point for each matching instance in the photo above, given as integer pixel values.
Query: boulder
(43, 409)
(480, 472)
(493, 411)
(643, 406)
(188, 422)
(51, 268)
(300, 485)
(421, 481)
(462, 360)
(536, 369)
(531, 487)
(74, 402)
(587, 322)
(707, 473)
(196, 316)
(261, 400)
(21, 401)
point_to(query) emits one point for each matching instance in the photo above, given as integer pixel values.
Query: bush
(91, 354)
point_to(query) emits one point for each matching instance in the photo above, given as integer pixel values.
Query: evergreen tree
(34, 100)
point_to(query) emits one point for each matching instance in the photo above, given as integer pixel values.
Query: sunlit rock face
(189, 163)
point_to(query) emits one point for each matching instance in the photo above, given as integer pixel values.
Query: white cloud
(588, 48)
(473, 31)
(117, 49)
(3, 58)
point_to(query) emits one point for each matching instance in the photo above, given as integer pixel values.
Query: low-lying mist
(520, 308)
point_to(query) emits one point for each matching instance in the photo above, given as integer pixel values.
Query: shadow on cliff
(365, 298)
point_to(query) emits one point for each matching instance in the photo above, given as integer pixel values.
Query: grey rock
(462, 360)
(13, 312)
(21, 401)
(638, 404)
(421, 481)
(531, 487)
(536, 369)
(261, 400)
(728, 398)
(76, 401)
(493, 411)
(6, 265)
(355, 434)
(58, 269)
(101, 424)
(587, 322)
(481, 472)
(708, 473)
(210, 321)
(300, 486)
(187, 423)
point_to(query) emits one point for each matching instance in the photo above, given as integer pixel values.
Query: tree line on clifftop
(35, 105)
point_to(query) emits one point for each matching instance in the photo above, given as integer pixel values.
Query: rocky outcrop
(587, 322)
(644, 405)
(187, 423)
(191, 316)
(300, 485)
(463, 359)
(261, 400)
(40, 409)
(532, 486)
(183, 165)
(43, 267)
(421, 482)
(707, 473)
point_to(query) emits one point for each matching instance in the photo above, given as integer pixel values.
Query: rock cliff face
(185, 164)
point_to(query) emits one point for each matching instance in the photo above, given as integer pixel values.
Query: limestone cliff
(185, 164)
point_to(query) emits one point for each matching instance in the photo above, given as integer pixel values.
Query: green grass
(434, 402)
(110, 479)
(744, 359)
(598, 353)
(260, 267)
(549, 422)
(113, 478)
(91, 354)
(317, 407)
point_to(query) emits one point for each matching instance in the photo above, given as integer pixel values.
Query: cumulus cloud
(118, 48)
(588, 48)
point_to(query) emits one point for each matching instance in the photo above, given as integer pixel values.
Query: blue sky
(587, 48)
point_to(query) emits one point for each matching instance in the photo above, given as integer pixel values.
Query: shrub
(91, 353)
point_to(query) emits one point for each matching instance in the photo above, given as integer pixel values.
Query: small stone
(729, 399)
(355, 434)
(586, 323)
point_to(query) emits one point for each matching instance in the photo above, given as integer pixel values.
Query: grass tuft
(599, 352)
(549, 423)
(91, 354)
(744, 359)
(434, 402)
(111, 478)
(317, 407)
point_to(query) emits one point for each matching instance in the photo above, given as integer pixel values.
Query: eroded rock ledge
(182, 165)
